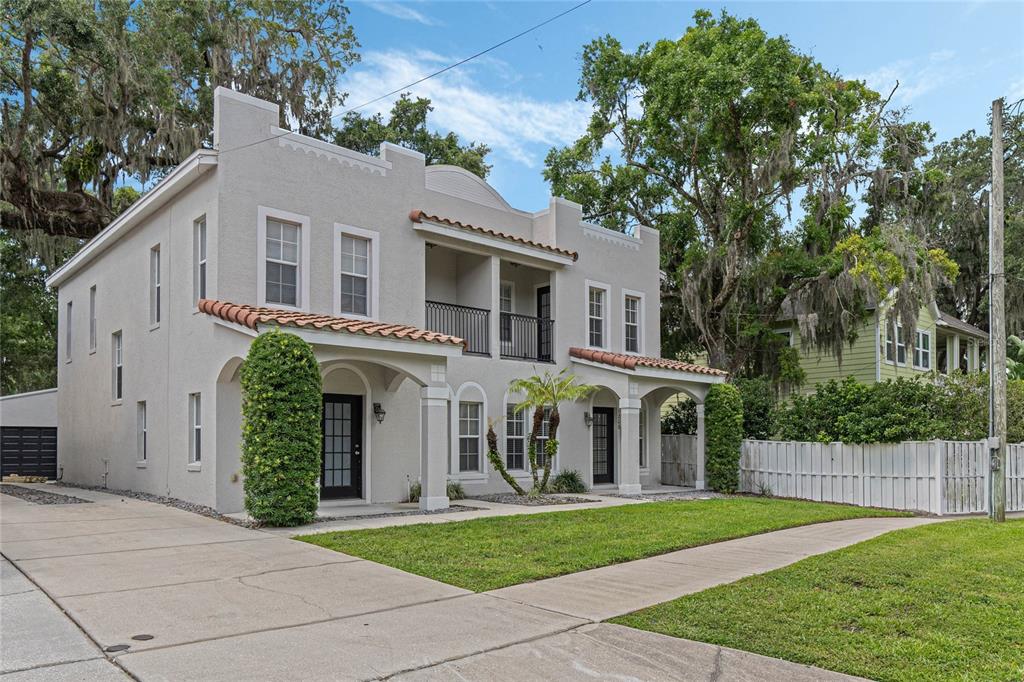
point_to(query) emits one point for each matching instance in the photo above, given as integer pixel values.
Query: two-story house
(422, 292)
(941, 344)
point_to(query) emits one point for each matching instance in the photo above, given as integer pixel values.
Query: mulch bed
(528, 501)
(39, 496)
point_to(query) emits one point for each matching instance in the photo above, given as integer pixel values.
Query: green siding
(926, 322)
(858, 359)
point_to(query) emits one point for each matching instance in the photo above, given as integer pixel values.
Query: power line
(429, 76)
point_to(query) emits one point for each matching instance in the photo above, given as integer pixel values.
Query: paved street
(223, 602)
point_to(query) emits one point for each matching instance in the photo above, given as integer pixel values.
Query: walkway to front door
(603, 429)
(341, 472)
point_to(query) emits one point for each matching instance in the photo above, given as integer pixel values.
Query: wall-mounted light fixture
(378, 413)
(587, 419)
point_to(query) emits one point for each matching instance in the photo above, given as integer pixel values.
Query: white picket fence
(940, 477)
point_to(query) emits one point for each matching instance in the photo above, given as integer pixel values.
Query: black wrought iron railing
(471, 324)
(526, 338)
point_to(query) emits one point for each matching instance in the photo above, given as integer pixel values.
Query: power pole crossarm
(997, 325)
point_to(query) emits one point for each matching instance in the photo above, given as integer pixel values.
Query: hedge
(723, 434)
(281, 431)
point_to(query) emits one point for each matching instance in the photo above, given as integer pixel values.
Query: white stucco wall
(37, 408)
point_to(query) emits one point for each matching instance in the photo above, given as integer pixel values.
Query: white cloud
(511, 123)
(400, 11)
(916, 77)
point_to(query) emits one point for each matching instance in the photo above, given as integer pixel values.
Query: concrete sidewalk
(221, 602)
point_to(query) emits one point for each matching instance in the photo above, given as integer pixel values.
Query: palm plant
(547, 391)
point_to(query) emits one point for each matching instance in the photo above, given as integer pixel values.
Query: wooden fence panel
(1015, 477)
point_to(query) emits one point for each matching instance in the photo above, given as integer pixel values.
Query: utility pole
(997, 326)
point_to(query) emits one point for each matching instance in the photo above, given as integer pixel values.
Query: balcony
(471, 324)
(526, 338)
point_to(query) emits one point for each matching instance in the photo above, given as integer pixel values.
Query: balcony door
(341, 472)
(544, 324)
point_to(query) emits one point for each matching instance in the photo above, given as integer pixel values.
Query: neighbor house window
(542, 438)
(154, 285)
(643, 439)
(631, 322)
(117, 363)
(92, 318)
(195, 419)
(895, 348)
(355, 275)
(199, 259)
(922, 349)
(595, 316)
(67, 331)
(282, 262)
(140, 428)
(469, 436)
(515, 437)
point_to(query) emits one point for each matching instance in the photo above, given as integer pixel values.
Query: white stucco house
(422, 292)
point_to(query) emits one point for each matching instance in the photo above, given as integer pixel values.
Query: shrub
(1015, 411)
(681, 419)
(723, 433)
(454, 490)
(758, 397)
(568, 481)
(281, 438)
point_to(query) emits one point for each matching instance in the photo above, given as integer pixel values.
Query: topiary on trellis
(723, 435)
(281, 433)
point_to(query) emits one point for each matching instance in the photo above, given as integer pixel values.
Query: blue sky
(951, 59)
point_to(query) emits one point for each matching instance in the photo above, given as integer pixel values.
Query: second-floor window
(922, 349)
(117, 363)
(355, 275)
(469, 436)
(895, 348)
(595, 317)
(631, 322)
(67, 331)
(282, 262)
(154, 285)
(199, 260)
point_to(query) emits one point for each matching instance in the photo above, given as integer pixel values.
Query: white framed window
(68, 317)
(356, 271)
(117, 366)
(895, 348)
(515, 438)
(597, 314)
(787, 336)
(198, 260)
(469, 436)
(632, 321)
(92, 319)
(195, 419)
(140, 431)
(542, 438)
(643, 438)
(922, 349)
(154, 285)
(283, 258)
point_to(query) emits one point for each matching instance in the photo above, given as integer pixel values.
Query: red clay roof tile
(252, 316)
(418, 216)
(625, 361)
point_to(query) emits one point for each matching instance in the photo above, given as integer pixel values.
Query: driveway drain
(142, 638)
(117, 647)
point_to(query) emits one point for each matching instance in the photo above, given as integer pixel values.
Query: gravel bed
(528, 501)
(39, 496)
(200, 509)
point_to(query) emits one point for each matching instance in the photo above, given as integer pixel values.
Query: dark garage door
(28, 450)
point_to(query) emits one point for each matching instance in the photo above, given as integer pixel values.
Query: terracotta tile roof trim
(252, 316)
(631, 362)
(418, 216)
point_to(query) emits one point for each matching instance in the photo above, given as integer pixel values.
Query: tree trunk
(550, 454)
(498, 463)
(538, 422)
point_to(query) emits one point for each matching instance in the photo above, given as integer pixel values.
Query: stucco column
(629, 442)
(434, 448)
(494, 319)
(699, 447)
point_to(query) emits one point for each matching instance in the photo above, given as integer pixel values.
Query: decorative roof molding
(604, 234)
(419, 216)
(346, 157)
(631, 362)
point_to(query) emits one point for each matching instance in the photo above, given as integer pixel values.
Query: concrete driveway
(198, 599)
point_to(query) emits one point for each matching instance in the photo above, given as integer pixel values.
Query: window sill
(67, 361)
(194, 466)
(154, 327)
(141, 465)
(469, 476)
(117, 403)
(92, 351)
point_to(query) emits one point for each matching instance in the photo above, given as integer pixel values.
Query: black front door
(341, 472)
(603, 430)
(544, 324)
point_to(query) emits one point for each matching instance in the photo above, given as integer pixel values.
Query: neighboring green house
(942, 343)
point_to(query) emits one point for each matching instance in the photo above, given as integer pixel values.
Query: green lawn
(938, 602)
(485, 554)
